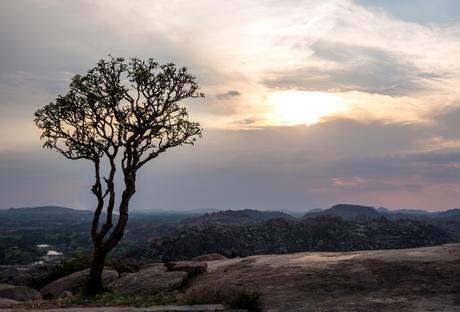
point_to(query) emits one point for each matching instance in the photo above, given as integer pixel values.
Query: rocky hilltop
(279, 236)
(246, 216)
(348, 212)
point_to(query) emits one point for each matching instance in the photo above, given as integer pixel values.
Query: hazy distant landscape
(184, 235)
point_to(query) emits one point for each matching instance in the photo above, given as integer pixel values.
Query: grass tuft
(114, 299)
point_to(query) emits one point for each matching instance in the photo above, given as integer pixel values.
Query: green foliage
(18, 242)
(20, 254)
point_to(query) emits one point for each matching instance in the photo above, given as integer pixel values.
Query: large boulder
(159, 267)
(7, 303)
(209, 257)
(71, 282)
(149, 281)
(5, 286)
(20, 293)
(191, 267)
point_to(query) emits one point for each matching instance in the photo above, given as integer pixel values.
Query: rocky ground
(421, 279)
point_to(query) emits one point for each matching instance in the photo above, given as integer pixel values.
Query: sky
(308, 103)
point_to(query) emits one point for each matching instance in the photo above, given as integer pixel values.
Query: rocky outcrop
(149, 281)
(238, 217)
(209, 257)
(74, 281)
(190, 267)
(158, 267)
(5, 286)
(20, 293)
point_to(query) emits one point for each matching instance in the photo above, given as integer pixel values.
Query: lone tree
(120, 115)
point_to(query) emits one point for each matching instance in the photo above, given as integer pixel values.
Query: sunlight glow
(304, 107)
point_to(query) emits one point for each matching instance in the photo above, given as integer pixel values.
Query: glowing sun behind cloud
(304, 107)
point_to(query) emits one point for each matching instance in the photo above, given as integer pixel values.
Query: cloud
(227, 95)
(292, 168)
(247, 121)
(447, 120)
(355, 68)
(252, 47)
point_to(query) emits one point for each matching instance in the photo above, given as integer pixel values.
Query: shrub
(214, 293)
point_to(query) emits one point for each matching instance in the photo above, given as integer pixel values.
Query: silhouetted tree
(120, 115)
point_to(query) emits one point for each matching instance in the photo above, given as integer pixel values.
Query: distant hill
(451, 213)
(354, 212)
(54, 210)
(411, 212)
(44, 217)
(246, 216)
(347, 212)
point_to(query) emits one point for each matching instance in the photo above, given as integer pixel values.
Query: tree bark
(95, 285)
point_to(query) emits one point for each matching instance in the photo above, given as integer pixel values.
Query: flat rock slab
(193, 268)
(149, 281)
(209, 257)
(159, 267)
(20, 293)
(192, 308)
(404, 280)
(74, 281)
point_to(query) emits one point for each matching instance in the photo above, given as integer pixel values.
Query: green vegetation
(66, 230)
(114, 299)
(19, 246)
(19, 254)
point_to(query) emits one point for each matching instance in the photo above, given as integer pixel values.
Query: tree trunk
(101, 247)
(95, 276)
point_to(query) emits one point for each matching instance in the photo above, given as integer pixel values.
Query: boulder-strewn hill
(353, 212)
(246, 216)
(451, 214)
(448, 221)
(278, 236)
